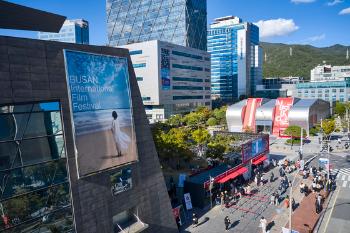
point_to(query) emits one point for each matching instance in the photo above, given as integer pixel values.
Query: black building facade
(40, 189)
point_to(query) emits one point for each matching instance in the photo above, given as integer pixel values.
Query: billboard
(165, 69)
(121, 181)
(255, 148)
(101, 110)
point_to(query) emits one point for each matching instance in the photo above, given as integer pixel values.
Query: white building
(172, 78)
(324, 73)
(72, 31)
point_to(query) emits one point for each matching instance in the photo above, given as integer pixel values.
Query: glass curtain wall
(35, 191)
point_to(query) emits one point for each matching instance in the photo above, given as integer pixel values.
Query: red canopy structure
(233, 175)
(260, 160)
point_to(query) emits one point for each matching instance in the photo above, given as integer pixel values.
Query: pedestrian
(272, 177)
(304, 174)
(318, 204)
(277, 199)
(302, 187)
(227, 223)
(286, 202)
(293, 204)
(248, 190)
(263, 224)
(222, 199)
(194, 219)
(272, 199)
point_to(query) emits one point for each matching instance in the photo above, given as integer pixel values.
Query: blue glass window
(187, 97)
(135, 52)
(140, 65)
(187, 88)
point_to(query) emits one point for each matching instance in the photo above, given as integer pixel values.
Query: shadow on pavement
(206, 219)
(235, 223)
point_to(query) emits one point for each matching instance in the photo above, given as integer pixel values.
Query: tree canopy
(328, 126)
(294, 131)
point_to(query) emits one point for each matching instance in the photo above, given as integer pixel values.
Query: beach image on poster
(100, 102)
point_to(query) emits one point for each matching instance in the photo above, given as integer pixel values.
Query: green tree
(340, 108)
(192, 119)
(294, 131)
(212, 121)
(175, 120)
(328, 126)
(201, 137)
(215, 150)
(220, 114)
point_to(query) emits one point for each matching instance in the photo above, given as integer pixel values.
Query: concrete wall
(33, 70)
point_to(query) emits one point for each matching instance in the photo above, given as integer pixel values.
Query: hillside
(304, 58)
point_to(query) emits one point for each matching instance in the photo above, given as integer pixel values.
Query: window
(207, 88)
(182, 54)
(139, 78)
(334, 90)
(186, 67)
(207, 70)
(140, 65)
(187, 97)
(33, 167)
(146, 98)
(187, 79)
(187, 88)
(341, 90)
(135, 52)
(326, 91)
(207, 80)
(207, 96)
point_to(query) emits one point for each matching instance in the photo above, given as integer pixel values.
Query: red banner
(249, 118)
(176, 212)
(281, 121)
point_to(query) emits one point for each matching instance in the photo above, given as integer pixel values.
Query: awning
(260, 160)
(233, 175)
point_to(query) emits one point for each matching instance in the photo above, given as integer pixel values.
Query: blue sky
(317, 22)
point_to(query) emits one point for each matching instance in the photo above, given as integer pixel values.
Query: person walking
(194, 219)
(222, 200)
(272, 199)
(272, 177)
(227, 222)
(277, 199)
(263, 224)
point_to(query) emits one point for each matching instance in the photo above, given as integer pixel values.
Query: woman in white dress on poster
(121, 139)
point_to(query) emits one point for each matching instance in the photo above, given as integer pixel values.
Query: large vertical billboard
(101, 109)
(281, 121)
(165, 68)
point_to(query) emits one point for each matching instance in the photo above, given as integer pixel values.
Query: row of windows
(135, 52)
(199, 80)
(182, 54)
(187, 88)
(187, 97)
(140, 65)
(139, 78)
(146, 98)
(341, 90)
(185, 67)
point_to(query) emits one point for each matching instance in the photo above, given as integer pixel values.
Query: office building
(273, 116)
(332, 91)
(330, 83)
(273, 88)
(324, 73)
(236, 58)
(72, 31)
(60, 174)
(172, 79)
(182, 22)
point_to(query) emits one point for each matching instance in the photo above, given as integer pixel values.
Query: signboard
(286, 230)
(121, 181)
(255, 148)
(188, 201)
(102, 119)
(281, 121)
(165, 69)
(182, 178)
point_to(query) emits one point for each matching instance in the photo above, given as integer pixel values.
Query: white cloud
(316, 38)
(345, 11)
(334, 2)
(302, 1)
(276, 27)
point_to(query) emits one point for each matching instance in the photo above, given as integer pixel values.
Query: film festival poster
(101, 107)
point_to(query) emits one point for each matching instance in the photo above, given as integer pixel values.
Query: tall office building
(182, 22)
(236, 58)
(172, 78)
(72, 31)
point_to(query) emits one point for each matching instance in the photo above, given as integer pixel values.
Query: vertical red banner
(281, 121)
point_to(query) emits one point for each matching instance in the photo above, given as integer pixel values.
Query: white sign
(286, 230)
(188, 201)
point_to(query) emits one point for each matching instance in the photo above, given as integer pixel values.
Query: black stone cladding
(33, 70)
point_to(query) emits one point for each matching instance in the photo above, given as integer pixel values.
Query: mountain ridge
(279, 63)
